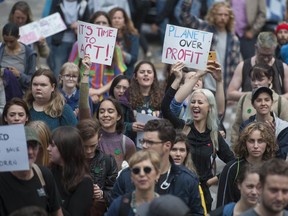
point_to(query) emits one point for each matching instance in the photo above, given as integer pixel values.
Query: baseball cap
(165, 205)
(31, 135)
(257, 91)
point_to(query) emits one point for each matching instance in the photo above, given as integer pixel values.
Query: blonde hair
(71, 68)
(54, 108)
(210, 17)
(212, 118)
(143, 155)
(45, 137)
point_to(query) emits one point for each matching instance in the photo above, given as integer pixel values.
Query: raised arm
(84, 108)
(233, 92)
(186, 89)
(214, 68)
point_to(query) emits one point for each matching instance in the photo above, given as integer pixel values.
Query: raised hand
(86, 61)
(214, 68)
(177, 70)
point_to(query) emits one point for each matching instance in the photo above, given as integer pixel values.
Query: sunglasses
(136, 170)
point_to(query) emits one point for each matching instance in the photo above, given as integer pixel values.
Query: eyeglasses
(137, 170)
(69, 76)
(149, 142)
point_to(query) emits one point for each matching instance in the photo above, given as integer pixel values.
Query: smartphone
(212, 56)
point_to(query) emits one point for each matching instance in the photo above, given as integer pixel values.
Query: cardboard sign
(13, 148)
(97, 41)
(45, 27)
(186, 45)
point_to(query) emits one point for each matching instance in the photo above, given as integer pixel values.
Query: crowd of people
(91, 150)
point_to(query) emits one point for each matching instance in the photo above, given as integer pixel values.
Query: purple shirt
(239, 9)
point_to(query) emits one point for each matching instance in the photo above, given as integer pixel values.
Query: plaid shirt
(232, 53)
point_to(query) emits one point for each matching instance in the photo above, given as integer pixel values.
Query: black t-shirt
(16, 193)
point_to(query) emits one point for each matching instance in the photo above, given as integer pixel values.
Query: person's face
(248, 189)
(10, 41)
(33, 149)
(282, 36)
(145, 75)
(152, 141)
(16, 115)
(221, 17)
(178, 153)
(19, 18)
(144, 175)
(199, 107)
(90, 146)
(262, 81)
(118, 20)
(274, 194)
(42, 88)
(120, 88)
(54, 154)
(69, 80)
(264, 55)
(108, 116)
(101, 20)
(256, 145)
(263, 103)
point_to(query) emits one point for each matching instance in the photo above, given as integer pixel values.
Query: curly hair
(210, 17)
(135, 96)
(267, 134)
(54, 108)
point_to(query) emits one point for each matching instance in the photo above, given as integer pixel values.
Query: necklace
(165, 185)
(133, 201)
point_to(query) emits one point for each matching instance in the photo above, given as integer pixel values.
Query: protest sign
(186, 45)
(97, 41)
(45, 27)
(13, 148)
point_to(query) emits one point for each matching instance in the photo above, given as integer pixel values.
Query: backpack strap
(39, 174)
(279, 106)
(125, 204)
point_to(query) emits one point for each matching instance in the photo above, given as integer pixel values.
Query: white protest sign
(13, 148)
(186, 45)
(143, 118)
(97, 41)
(45, 27)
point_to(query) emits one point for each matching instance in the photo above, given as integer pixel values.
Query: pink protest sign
(97, 41)
(186, 45)
(44, 27)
